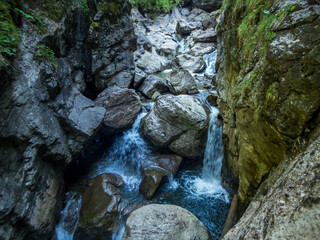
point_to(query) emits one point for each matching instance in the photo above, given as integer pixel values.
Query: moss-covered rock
(268, 63)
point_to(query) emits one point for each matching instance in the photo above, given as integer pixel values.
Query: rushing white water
(210, 60)
(126, 153)
(69, 218)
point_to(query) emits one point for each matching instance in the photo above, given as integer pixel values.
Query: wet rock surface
(99, 212)
(178, 123)
(122, 106)
(153, 84)
(155, 170)
(164, 222)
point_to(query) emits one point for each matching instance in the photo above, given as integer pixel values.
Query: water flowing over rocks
(99, 211)
(164, 222)
(122, 107)
(179, 123)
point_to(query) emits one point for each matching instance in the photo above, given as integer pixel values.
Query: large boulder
(164, 222)
(122, 106)
(207, 5)
(155, 169)
(180, 81)
(153, 84)
(178, 123)
(99, 212)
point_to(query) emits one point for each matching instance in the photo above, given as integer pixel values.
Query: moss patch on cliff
(156, 5)
(9, 32)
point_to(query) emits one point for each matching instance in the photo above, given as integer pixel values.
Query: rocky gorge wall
(47, 117)
(268, 84)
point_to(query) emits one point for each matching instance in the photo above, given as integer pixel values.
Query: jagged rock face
(153, 84)
(267, 83)
(164, 222)
(178, 123)
(287, 205)
(99, 212)
(122, 106)
(46, 121)
(112, 49)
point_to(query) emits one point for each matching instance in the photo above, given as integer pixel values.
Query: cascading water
(69, 218)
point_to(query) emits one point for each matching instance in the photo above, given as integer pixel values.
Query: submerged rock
(122, 107)
(180, 81)
(99, 212)
(178, 123)
(164, 222)
(155, 169)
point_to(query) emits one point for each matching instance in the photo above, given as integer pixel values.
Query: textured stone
(269, 102)
(155, 169)
(181, 81)
(122, 107)
(207, 5)
(164, 222)
(178, 123)
(153, 84)
(287, 204)
(99, 211)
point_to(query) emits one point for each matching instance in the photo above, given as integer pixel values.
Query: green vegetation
(156, 6)
(9, 33)
(44, 53)
(113, 9)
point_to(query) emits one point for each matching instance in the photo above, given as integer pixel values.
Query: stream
(196, 187)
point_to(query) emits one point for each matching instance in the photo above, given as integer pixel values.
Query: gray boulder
(153, 84)
(122, 106)
(139, 77)
(178, 123)
(180, 81)
(164, 222)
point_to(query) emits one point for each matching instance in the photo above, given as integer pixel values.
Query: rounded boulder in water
(164, 222)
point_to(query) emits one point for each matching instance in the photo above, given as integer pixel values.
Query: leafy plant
(9, 33)
(45, 53)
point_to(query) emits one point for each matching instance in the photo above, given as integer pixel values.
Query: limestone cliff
(268, 84)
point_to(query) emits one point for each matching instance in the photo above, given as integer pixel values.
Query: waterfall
(69, 218)
(213, 155)
(126, 153)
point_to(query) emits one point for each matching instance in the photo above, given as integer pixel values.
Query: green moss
(113, 9)
(44, 53)
(94, 24)
(9, 33)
